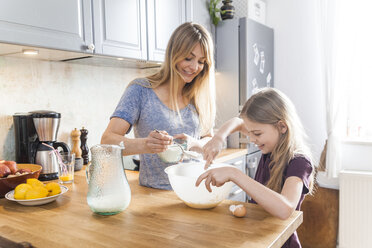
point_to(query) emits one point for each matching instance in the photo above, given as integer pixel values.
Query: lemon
(53, 188)
(20, 191)
(36, 192)
(34, 182)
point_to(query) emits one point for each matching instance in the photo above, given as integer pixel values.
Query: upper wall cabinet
(63, 25)
(137, 29)
(120, 28)
(164, 16)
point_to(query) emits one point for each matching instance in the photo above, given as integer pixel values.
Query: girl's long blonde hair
(269, 106)
(201, 91)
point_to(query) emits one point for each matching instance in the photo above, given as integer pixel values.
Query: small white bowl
(172, 155)
(36, 202)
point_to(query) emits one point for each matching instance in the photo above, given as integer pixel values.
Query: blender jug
(108, 188)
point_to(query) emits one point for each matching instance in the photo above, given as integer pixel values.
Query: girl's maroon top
(298, 167)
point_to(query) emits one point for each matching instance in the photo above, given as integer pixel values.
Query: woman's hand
(212, 149)
(216, 177)
(192, 143)
(158, 141)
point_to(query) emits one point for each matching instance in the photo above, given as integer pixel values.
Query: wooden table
(154, 218)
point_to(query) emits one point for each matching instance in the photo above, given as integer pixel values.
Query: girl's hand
(211, 150)
(158, 141)
(216, 177)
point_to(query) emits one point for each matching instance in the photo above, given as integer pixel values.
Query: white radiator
(355, 226)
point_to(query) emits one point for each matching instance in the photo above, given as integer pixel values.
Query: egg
(238, 210)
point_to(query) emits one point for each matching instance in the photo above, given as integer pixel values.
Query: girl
(285, 173)
(179, 100)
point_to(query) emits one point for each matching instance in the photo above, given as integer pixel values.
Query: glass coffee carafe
(108, 190)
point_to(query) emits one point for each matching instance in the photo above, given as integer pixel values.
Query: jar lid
(45, 114)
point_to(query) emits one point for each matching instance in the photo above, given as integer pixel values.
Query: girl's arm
(214, 146)
(279, 205)
(115, 132)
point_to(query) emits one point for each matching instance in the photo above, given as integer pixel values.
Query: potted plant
(215, 12)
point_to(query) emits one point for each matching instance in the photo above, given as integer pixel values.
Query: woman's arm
(280, 205)
(115, 132)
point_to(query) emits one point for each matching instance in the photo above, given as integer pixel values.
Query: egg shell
(240, 211)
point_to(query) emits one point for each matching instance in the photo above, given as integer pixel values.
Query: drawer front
(238, 163)
(252, 163)
(237, 194)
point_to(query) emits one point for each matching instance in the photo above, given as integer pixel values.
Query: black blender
(31, 130)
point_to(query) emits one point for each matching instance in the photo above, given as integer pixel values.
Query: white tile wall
(84, 95)
(241, 8)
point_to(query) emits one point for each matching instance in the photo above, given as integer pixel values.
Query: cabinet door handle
(238, 162)
(236, 192)
(91, 47)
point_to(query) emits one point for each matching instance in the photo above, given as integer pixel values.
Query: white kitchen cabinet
(135, 29)
(62, 25)
(252, 160)
(237, 194)
(120, 28)
(164, 16)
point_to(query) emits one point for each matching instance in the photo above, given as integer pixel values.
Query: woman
(179, 101)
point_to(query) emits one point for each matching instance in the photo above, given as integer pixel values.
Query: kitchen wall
(84, 95)
(297, 63)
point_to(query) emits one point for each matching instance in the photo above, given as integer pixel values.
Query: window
(353, 66)
(347, 50)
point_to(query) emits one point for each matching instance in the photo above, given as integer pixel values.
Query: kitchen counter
(154, 218)
(230, 153)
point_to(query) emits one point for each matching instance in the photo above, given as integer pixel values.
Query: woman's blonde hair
(269, 106)
(201, 91)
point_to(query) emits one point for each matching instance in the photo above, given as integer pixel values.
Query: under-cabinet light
(30, 51)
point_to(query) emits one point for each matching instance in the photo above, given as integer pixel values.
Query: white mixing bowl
(182, 178)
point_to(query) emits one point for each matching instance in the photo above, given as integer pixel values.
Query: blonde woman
(178, 102)
(285, 173)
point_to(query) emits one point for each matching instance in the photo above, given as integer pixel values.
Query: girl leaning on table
(285, 173)
(179, 101)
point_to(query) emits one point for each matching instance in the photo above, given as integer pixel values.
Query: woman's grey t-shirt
(143, 110)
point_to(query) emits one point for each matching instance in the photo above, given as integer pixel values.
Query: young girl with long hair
(178, 102)
(285, 173)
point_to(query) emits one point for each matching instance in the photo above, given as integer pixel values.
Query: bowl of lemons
(35, 192)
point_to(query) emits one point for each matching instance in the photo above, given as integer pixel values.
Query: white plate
(35, 202)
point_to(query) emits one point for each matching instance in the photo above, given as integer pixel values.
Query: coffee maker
(31, 130)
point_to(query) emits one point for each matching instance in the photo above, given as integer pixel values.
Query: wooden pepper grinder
(75, 137)
(84, 146)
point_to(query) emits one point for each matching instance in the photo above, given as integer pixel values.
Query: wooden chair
(320, 225)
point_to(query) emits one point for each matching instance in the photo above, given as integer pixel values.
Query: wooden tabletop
(154, 218)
